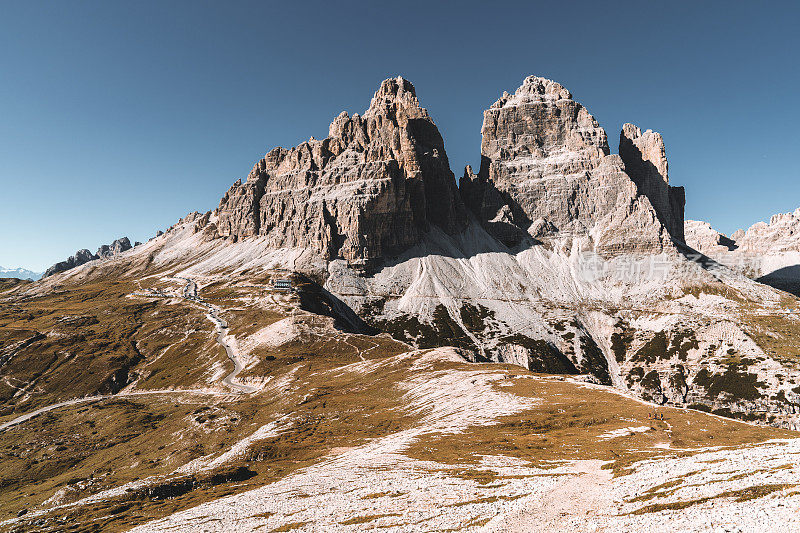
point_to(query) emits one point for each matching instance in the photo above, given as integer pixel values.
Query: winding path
(232, 353)
(86, 399)
(189, 293)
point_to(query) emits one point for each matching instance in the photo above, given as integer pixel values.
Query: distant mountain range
(20, 273)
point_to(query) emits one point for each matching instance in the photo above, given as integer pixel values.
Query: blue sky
(117, 118)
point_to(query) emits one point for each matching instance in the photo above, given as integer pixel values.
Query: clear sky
(117, 118)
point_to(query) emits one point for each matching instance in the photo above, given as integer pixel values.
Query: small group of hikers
(655, 415)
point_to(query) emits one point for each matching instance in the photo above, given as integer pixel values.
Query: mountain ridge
(532, 349)
(766, 251)
(21, 273)
(557, 256)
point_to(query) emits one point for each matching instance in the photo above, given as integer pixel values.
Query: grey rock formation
(546, 170)
(201, 223)
(768, 252)
(84, 256)
(81, 257)
(706, 240)
(645, 161)
(780, 234)
(116, 247)
(368, 191)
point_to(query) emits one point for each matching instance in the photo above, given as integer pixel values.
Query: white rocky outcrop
(767, 251)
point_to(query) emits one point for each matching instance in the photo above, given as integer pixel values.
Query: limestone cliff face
(645, 161)
(546, 170)
(767, 252)
(781, 234)
(380, 181)
(368, 191)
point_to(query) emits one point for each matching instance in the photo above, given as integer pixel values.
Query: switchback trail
(190, 293)
(222, 332)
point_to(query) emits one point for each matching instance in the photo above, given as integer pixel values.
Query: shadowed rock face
(546, 170)
(645, 161)
(368, 191)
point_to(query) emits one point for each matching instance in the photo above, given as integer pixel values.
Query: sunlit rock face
(705, 239)
(546, 170)
(368, 191)
(768, 252)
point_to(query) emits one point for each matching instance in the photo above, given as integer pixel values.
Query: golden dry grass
(93, 331)
(570, 420)
(113, 441)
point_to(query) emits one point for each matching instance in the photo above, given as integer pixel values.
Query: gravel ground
(376, 486)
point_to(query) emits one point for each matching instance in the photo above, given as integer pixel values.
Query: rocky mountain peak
(781, 234)
(705, 239)
(778, 237)
(545, 163)
(118, 246)
(645, 159)
(84, 256)
(379, 181)
(395, 92)
(369, 190)
(534, 89)
(792, 218)
(541, 122)
(767, 252)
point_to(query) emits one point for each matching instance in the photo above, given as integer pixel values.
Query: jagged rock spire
(546, 171)
(645, 159)
(369, 190)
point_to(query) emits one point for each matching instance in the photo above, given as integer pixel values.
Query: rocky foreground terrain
(538, 347)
